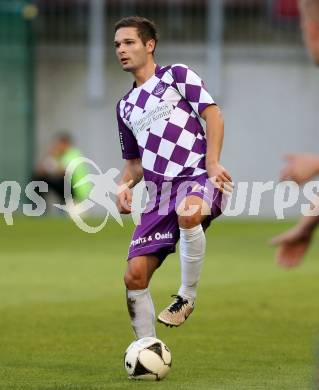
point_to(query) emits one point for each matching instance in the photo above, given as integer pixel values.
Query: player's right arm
(133, 171)
(131, 175)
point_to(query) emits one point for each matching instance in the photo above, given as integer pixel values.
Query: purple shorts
(158, 231)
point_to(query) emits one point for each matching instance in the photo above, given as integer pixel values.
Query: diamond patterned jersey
(159, 123)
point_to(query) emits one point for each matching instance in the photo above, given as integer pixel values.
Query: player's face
(130, 50)
(310, 29)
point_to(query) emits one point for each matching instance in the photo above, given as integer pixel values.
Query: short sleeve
(128, 142)
(192, 88)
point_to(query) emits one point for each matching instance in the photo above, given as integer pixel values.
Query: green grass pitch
(64, 325)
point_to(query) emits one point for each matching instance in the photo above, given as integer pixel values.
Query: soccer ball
(147, 359)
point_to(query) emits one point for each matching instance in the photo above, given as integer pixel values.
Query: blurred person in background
(51, 169)
(294, 243)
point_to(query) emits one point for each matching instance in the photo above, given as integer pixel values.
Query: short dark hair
(146, 29)
(64, 136)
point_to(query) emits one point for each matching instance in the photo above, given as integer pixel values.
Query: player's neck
(144, 73)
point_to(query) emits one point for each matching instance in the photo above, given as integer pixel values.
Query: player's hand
(300, 167)
(124, 200)
(220, 178)
(292, 246)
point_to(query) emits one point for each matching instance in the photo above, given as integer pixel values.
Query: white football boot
(177, 312)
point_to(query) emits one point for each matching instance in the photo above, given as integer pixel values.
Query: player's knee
(190, 221)
(135, 280)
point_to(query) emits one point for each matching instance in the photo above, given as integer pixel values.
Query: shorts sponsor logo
(163, 236)
(157, 236)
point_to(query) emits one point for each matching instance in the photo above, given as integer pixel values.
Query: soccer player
(163, 141)
(294, 243)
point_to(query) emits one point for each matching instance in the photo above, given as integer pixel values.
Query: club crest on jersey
(160, 88)
(128, 110)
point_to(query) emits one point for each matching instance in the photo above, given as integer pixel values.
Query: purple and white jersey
(159, 123)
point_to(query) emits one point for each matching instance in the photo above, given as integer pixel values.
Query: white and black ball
(147, 359)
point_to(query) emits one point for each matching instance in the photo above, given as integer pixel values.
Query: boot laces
(178, 304)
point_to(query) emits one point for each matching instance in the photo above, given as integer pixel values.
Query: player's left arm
(214, 137)
(192, 89)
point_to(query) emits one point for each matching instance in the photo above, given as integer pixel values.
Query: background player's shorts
(158, 231)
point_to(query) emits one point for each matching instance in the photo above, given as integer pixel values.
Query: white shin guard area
(192, 251)
(142, 313)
